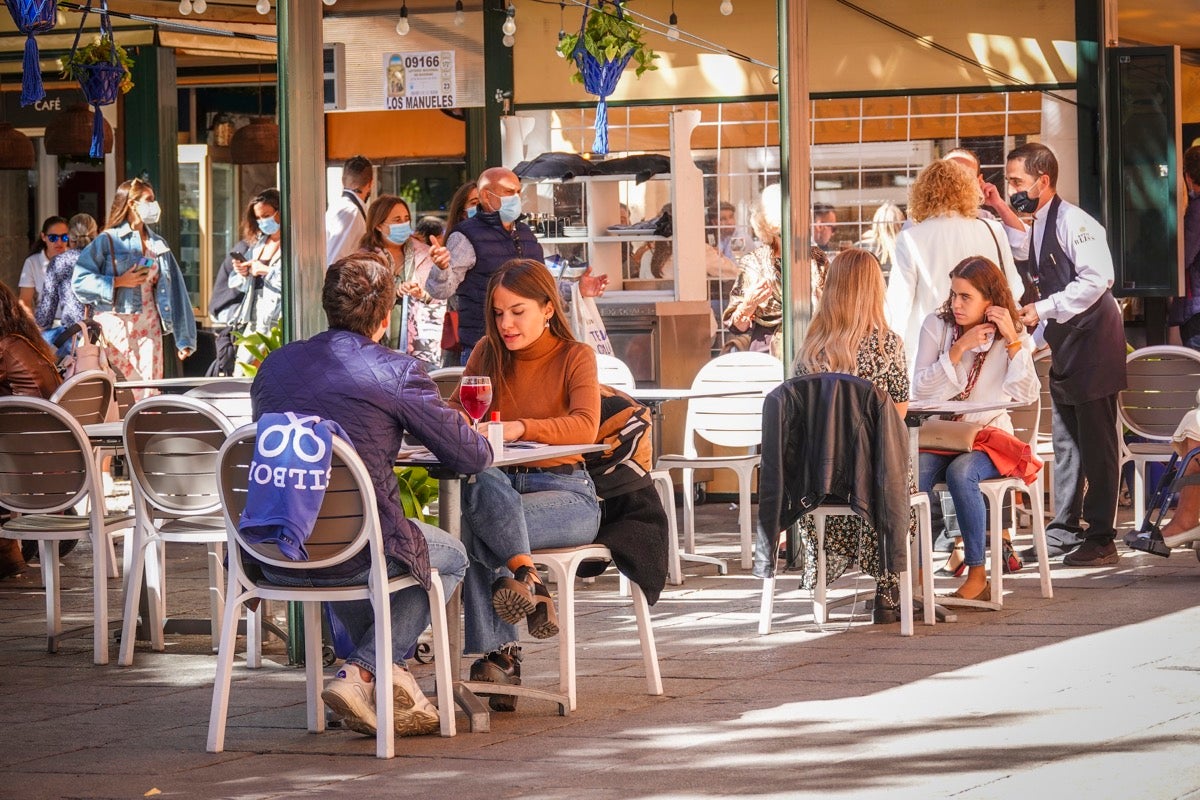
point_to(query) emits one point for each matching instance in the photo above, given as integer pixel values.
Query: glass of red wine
(475, 394)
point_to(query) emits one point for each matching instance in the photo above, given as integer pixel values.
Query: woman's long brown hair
(986, 277)
(15, 319)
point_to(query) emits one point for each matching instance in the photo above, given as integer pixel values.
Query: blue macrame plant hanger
(32, 17)
(599, 77)
(102, 84)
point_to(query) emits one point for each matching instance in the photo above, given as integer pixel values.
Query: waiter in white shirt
(1071, 267)
(346, 219)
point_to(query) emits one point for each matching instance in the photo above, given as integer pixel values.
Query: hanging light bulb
(185, 7)
(508, 40)
(200, 6)
(561, 35)
(460, 18)
(402, 26)
(727, 7)
(673, 27)
(328, 2)
(263, 7)
(510, 22)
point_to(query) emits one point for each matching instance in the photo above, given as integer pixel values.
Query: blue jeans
(410, 607)
(962, 473)
(507, 515)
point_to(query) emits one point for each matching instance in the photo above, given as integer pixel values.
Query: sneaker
(414, 714)
(353, 698)
(1092, 553)
(500, 666)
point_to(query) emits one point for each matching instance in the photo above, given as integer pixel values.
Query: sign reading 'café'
(418, 80)
(38, 114)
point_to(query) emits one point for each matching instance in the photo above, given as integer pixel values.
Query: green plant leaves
(417, 491)
(609, 37)
(259, 345)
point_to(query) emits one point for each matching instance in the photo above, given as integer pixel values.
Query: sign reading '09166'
(418, 80)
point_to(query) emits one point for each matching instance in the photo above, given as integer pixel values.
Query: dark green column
(497, 94)
(1089, 81)
(150, 130)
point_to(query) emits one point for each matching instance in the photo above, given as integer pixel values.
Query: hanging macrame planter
(606, 42)
(32, 17)
(102, 69)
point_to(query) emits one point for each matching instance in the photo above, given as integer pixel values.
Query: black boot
(887, 606)
(501, 666)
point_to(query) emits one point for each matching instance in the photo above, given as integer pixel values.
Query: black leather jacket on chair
(832, 438)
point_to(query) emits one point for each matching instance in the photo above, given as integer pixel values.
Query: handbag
(586, 323)
(948, 435)
(450, 340)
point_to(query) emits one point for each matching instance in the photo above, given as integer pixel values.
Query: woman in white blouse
(974, 347)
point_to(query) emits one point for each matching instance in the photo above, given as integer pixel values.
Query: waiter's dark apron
(1087, 352)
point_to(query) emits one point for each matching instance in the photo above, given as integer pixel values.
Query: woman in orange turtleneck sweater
(545, 389)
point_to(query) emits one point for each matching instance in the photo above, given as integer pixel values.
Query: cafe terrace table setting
(450, 520)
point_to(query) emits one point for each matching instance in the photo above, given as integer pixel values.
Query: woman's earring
(547, 322)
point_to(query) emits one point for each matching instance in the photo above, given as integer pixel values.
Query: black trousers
(1086, 472)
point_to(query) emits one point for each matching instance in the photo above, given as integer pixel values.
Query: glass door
(193, 222)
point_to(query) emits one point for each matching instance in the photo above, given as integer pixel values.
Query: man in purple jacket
(376, 395)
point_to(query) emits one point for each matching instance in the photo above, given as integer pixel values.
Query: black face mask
(1022, 203)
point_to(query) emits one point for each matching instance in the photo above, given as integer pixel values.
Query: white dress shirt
(345, 225)
(920, 279)
(1083, 240)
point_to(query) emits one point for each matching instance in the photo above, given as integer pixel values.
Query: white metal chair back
(731, 421)
(1026, 421)
(45, 459)
(614, 372)
(1163, 381)
(1046, 417)
(171, 443)
(86, 396)
(447, 380)
(231, 398)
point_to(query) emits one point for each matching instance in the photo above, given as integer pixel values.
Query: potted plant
(103, 71)
(32, 17)
(607, 41)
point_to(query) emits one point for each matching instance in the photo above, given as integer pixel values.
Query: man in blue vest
(1071, 268)
(477, 248)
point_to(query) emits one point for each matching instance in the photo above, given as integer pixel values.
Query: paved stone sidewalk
(1095, 693)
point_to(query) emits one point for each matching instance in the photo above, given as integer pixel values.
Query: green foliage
(98, 52)
(609, 37)
(259, 345)
(413, 193)
(417, 491)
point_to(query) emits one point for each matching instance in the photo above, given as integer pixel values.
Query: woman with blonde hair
(880, 238)
(849, 334)
(944, 205)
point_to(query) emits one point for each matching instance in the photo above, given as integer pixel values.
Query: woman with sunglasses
(51, 242)
(130, 277)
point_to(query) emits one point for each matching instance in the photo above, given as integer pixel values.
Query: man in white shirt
(346, 219)
(1071, 267)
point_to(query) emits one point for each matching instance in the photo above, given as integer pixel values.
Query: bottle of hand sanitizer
(496, 435)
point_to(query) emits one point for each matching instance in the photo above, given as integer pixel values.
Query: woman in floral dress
(848, 334)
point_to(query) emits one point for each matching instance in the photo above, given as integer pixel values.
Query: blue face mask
(472, 211)
(510, 208)
(268, 226)
(399, 233)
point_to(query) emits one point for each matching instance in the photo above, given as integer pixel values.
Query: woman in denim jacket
(131, 279)
(260, 274)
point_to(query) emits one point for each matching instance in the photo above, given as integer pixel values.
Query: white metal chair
(46, 466)
(1163, 381)
(733, 421)
(447, 379)
(230, 397)
(614, 372)
(1025, 422)
(347, 524)
(563, 564)
(920, 551)
(171, 443)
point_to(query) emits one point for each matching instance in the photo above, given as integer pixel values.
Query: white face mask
(149, 211)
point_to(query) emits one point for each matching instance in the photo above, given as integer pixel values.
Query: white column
(1060, 132)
